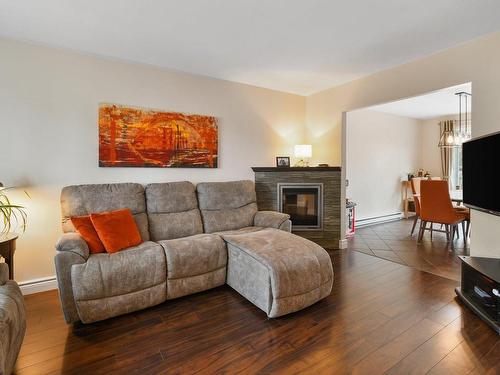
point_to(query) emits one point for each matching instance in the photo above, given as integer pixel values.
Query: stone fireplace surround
(266, 186)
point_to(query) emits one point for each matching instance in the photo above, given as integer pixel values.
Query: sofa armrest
(4, 273)
(71, 250)
(72, 242)
(272, 219)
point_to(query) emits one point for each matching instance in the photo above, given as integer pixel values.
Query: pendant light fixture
(455, 132)
(464, 128)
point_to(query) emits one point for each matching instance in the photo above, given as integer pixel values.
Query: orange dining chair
(415, 189)
(466, 224)
(436, 207)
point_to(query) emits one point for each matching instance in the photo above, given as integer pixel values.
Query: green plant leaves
(11, 213)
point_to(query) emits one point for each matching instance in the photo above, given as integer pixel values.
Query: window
(456, 169)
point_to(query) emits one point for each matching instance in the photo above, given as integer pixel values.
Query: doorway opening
(386, 146)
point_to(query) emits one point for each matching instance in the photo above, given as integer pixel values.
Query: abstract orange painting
(137, 137)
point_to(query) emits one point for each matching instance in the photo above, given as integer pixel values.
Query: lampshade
(303, 151)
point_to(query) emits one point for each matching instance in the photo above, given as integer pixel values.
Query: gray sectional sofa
(12, 321)
(194, 239)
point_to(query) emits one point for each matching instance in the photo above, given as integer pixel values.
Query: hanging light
(464, 128)
(448, 138)
(454, 133)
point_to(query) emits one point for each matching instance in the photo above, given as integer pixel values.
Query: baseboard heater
(378, 219)
(38, 285)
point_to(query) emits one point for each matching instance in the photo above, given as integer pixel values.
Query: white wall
(476, 62)
(48, 117)
(381, 148)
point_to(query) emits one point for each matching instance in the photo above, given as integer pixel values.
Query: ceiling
(435, 104)
(297, 46)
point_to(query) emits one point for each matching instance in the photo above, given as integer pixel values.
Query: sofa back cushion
(81, 200)
(227, 205)
(172, 210)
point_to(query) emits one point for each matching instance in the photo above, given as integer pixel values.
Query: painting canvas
(137, 137)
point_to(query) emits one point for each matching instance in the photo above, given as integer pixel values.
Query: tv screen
(481, 180)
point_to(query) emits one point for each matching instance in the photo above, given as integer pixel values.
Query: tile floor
(392, 241)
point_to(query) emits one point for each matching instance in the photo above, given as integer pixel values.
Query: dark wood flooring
(382, 317)
(392, 241)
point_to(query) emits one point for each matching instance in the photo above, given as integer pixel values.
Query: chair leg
(447, 229)
(421, 231)
(414, 225)
(432, 232)
(453, 228)
(464, 231)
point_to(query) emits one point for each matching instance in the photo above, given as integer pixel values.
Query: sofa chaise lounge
(194, 239)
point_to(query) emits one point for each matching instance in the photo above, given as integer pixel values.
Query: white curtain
(446, 152)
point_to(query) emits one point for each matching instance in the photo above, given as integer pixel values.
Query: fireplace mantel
(296, 169)
(268, 180)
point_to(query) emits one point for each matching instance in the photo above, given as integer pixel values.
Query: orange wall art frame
(138, 137)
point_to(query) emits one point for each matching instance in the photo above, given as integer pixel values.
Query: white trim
(38, 285)
(378, 220)
(343, 244)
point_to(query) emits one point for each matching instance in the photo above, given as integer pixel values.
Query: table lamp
(303, 152)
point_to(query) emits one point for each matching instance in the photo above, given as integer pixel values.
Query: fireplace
(304, 203)
(326, 182)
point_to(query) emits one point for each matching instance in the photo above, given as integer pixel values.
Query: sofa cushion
(172, 210)
(226, 205)
(86, 230)
(81, 200)
(278, 271)
(194, 264)
(130, 270)
(116, 229)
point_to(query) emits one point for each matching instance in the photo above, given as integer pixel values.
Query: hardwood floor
(382, 317)
(392, 241)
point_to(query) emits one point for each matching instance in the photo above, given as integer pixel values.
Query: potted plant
(11, 213)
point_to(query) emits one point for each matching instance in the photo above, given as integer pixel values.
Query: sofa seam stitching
(309, 291)
(199, 274)
(121, 294)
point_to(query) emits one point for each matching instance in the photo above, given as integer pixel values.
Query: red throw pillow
(116, 229)
(85, 228)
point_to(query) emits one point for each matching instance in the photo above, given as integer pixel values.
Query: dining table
(457, 196)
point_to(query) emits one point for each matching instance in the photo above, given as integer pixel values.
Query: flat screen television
(481, 173)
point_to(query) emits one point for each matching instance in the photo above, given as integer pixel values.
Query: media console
(480, 288)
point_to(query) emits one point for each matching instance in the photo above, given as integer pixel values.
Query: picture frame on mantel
(282, 161)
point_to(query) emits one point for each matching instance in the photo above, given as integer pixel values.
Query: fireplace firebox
(304, 203)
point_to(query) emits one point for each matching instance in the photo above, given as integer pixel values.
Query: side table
(7, 248)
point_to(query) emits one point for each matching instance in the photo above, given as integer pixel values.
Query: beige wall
(48, 115)
(431, 156)
(477, 62)
(381, 149)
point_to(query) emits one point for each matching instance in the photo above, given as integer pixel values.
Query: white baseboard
(378, 219)
(38, 285)
(343, 244)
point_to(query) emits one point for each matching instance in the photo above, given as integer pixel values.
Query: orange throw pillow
(116, 229)
(85, 228)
